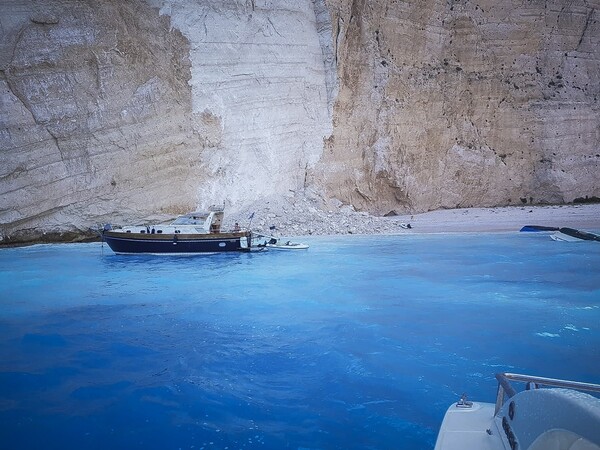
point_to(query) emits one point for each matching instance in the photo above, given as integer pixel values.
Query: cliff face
(117, 110)
(259, 94)
(460, 103)
(113, 111)
(95, 118)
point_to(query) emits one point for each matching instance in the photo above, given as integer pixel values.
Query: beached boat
(550, 414)
(573, 235)
(535, 228)
(564, 233)
(196, 232)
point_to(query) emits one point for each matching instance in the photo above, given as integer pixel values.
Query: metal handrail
(504, 385)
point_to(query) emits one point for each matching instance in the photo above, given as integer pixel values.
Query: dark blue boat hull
(583, 235)
(172, 244)
(538, 228)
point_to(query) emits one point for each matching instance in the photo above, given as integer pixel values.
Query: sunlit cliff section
(260, 94)
(459, 103)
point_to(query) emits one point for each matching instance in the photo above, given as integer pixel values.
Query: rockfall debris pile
(305, 216)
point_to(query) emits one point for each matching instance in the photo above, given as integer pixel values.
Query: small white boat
(273, 243)
(537, 418)
(287, 246)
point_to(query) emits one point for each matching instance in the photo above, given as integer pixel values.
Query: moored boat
(549, 414)
(288, 245)
(195, 232)
(273, 243)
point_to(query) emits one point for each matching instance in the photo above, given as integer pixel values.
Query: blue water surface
(357, 343)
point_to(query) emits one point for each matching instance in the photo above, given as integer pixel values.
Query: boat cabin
(209, 221)
(199, 222)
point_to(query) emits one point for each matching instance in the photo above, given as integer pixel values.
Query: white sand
(583, 217)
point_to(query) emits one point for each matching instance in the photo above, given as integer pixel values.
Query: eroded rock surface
(95, 118)
(458, 103)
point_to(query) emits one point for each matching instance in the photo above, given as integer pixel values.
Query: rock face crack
(18, 94)
(328, 50)
(587, 23)
(56, 142)
(273, 26)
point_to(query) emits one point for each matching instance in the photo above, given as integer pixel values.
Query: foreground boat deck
(550, 414)
(465, 428)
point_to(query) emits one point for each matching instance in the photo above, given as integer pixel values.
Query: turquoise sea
(360, 342)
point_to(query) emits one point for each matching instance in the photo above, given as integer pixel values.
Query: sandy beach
(582, 217)
(302, 218)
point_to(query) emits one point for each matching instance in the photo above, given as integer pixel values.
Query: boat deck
(549, 414)
(466, 428)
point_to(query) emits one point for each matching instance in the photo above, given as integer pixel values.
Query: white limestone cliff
(95, 117)
(259, 94)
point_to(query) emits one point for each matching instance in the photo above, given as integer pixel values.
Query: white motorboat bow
(538, 418)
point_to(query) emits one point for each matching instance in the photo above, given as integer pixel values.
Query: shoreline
(505, 219)
(301, 218)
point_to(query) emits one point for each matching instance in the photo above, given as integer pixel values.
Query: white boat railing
(504, 386)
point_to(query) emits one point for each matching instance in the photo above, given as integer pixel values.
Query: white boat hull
(561, 237)
(291, 246)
